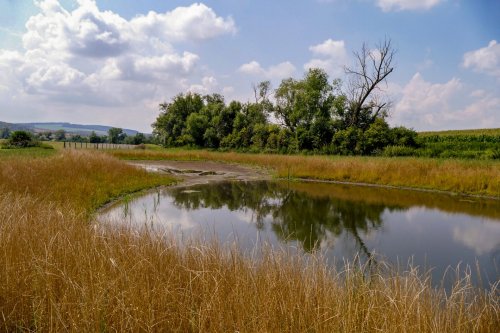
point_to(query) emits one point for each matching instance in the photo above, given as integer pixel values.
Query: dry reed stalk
(459, 176)
(61, 273)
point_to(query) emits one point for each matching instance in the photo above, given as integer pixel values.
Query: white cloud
(194, 22)
(280, 71)
(425, 105)
(83, 58)
(331, 56)
(485, 60)
(419, 94)
(482, 239)
(398, 5)
(208, 84)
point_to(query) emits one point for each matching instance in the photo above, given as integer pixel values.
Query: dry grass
(60, 273)
(459, 176)
(81, 180)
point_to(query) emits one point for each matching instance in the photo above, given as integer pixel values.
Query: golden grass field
(62, 272)
(453, 175)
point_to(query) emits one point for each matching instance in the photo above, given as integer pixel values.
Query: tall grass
(81, 180)
(61, 272)
(459, 176)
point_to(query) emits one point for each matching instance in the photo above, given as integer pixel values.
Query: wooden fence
(87, 145)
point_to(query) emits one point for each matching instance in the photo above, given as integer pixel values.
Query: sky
(112, 62)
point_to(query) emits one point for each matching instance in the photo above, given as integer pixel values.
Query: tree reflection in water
(295, 215)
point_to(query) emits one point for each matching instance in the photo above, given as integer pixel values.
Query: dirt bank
(202, 172)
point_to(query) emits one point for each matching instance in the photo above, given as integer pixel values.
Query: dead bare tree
(261, 91)
(366, 101)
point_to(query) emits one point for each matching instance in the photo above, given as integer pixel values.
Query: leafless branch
(372, 68)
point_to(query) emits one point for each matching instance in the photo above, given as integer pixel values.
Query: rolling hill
(83, 130)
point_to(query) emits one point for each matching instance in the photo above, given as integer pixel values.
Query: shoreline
(191, 173)
(251, 172)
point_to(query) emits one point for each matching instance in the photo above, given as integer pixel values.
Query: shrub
(376, 136)
(402, 136)
(348, 142)
(21, 139)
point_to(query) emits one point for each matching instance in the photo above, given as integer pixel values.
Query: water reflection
(341, 221)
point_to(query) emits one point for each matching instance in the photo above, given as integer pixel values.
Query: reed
(458, 176)
(82, 180)
(60, 271)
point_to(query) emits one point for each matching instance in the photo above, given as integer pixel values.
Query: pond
(341, 221)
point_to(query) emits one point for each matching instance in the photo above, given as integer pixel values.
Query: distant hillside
(15, 127)
(83, 130)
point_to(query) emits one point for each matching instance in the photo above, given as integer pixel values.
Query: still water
(433, 231)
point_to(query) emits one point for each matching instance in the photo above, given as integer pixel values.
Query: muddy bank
(202, 172)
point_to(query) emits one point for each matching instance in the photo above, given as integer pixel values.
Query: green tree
(305, 108)
(402, 136)
(60, 135)
(77, 138)
(376, 137)
(197, 124)
(348, 141)
(139, 138)
(171, 123)
(94, 138)
(116, 135)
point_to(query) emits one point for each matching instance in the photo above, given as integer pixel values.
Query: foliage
(312, 115)
(21, 139)
(94, 138)
(60, 135)
(116, 135)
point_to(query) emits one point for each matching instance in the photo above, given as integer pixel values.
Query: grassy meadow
(63, 272)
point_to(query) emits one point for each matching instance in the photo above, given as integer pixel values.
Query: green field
(472, 132)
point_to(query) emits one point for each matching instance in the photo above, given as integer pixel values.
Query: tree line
(312, 114)
(115, 135)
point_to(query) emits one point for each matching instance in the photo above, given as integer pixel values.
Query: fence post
(64, 144)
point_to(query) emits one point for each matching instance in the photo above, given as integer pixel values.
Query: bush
(348, 142)
(21, 139)
(402, 136)
(376, 137)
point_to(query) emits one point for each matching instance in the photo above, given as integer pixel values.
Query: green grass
(32, 152)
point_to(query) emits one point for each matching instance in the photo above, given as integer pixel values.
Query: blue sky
(112, 62)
